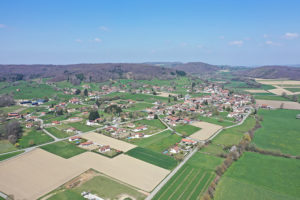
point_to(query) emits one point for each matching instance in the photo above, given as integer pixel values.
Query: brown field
(39, 172)
(35, 173)
(279, 91)
(105, 140)
(256, 91)
(277, 82)
(276, 104)
(127, 169)
(207, 130)
(165, 94)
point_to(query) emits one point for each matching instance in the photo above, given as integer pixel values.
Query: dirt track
(207, 130)
(277, 104)
(256, 91)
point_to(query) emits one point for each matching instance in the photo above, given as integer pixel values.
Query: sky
(224, 32)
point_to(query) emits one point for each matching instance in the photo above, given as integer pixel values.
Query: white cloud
(236, 43)
(97, 40)
(78, 40)
(271, 43)
(104, 28)
(2, 25)
(291, 35)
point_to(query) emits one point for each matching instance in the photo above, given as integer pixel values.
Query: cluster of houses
(184, 146)
(129, 131)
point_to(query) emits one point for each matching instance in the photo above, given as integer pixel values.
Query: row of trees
(12, 131)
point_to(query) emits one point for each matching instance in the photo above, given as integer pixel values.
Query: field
(139, 106)
(33, 137)
(63, 149)
(58, 133)
(186, 129)
(279, 131)
(110, 189)
(154, 122)
(192, 180)
(270, 97)
(233, 135)
(159, 142)
(293, 89)
(6, 146)
(223, 123)
(9, 155)
(81, 127)
(255, 176)
(105, 140)
(206, 130)
(152, 157)
(277, 104)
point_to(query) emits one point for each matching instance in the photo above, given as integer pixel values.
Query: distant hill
(86, 72)
(272, 72)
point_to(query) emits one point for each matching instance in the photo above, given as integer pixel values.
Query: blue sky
(247, 32)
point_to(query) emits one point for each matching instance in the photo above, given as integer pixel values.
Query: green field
(63, 149)
(213, 149)
(192, 180)
(58, 133)
(81, 127)
(154, 122)
(271, 97)
(6, 146)
(223, 123)
(153, 157)
(9, 155)
(139, 106)
(101, 185)
(186, 129)
(233, 135)
(256, 176)
(280, 131)
(9, 109)
(293, 89)
(159, 142)
(37, 137)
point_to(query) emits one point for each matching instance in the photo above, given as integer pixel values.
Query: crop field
(233, 135)
(33, 137)
(109, 189)
(9, 155)
(153, 157)
(58, 133)
(270, 97)
(63, 149)
(293, 89)
(207, 130)
(82, 127)
(192, 180)
(159, 142)
(280, 131)
(186, 129)
(223, 123)
(154, 122)
(256, 176)
(278, 104)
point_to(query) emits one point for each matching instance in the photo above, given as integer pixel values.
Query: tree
(284, 94)
(98, 103)
(77, 91)
(113, 109)
(13, 131)
(6, 100)
(94, 114)
(281, 105)
(155, 116)
(295, 98)
(85, 92)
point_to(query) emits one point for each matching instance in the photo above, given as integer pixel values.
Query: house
(104, 149)
(88, 143)
(70, 130)
(91, 123)
(151, 116)
(138, 135)
(188, 141)
(175, 149)
(140, 128)
(13, 115)
(74, 101)
(55, 122)
(29, 125)
(74, 138)
(131, 125)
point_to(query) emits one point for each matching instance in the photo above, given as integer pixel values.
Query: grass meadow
(256, 176)
(280, 131)
(186, 129)
(63, 149)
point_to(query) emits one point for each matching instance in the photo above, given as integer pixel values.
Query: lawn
(9, 155)
(6, 146)
(280, 131)
(159, 142)
(58, 133)
(153, 157)
(101, 185)
(232, 136)
(63, 149)
(81, 127)
(213, 149)
(154, 122)
(256, 176)
(192, 180)
(186, 129)
(35, 137)
(223, 123)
